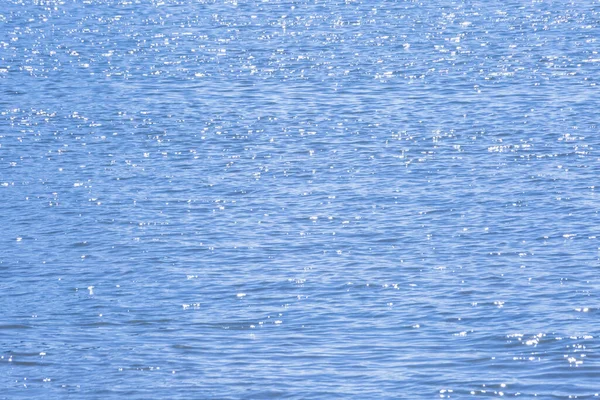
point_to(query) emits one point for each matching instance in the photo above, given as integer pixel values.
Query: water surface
(299, 199)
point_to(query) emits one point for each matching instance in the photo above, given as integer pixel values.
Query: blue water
(299, 199)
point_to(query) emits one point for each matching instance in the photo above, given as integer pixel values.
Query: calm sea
(299, 199)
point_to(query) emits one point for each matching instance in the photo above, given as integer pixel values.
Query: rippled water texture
(300, 199)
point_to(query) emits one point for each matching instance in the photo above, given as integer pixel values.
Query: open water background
(299, 199)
